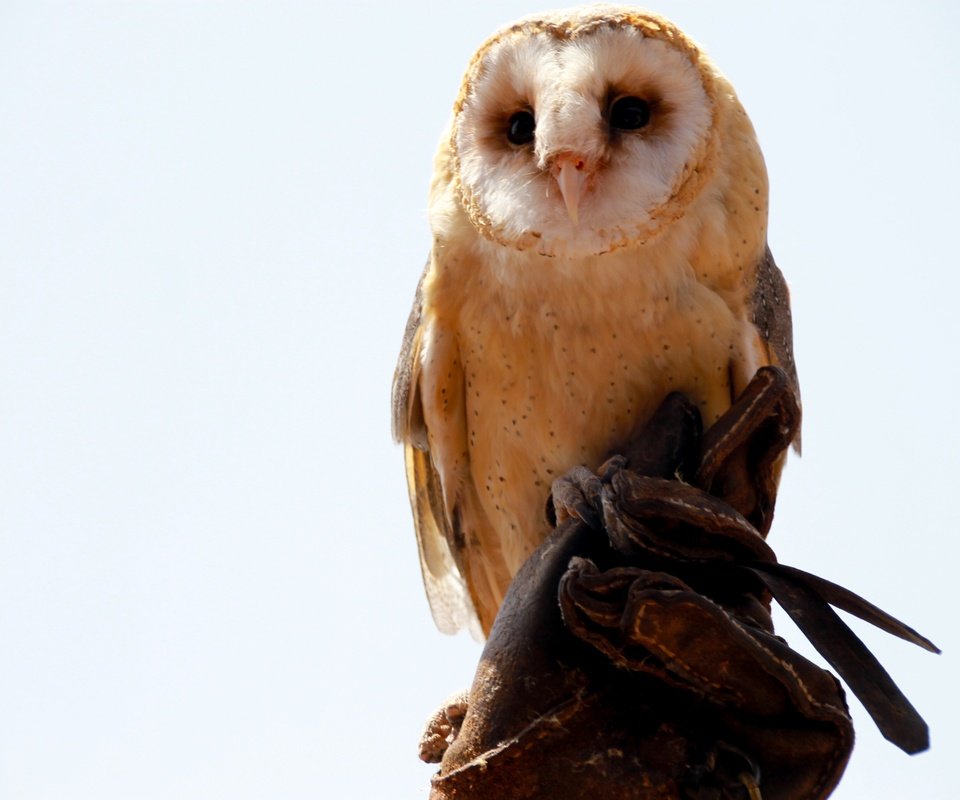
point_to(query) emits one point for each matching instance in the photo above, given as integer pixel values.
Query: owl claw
(610, 467)
(751, 785)
(577, 495)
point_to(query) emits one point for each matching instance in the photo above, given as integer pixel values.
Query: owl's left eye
(521, 127)
(629, 113)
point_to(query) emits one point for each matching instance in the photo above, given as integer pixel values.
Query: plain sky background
(212, 220)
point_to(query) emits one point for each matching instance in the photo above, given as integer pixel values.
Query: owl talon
(576, 495)
(610, 467)
(751, 785)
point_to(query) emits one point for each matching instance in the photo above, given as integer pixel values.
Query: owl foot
(667, 447)
(443, 727)
(576, 495)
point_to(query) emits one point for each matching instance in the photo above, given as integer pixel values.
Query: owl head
(582, 132)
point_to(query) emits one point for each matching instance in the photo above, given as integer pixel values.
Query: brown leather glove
(657, 674)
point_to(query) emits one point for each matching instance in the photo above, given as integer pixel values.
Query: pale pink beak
(571, 172)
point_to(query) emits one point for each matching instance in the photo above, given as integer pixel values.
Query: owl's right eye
(630, 113)
(521, 127)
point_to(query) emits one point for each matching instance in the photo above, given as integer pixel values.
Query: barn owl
(599, 214)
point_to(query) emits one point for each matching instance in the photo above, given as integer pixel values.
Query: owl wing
(771, 315)
(445, 587)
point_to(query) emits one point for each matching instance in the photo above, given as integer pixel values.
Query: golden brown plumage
(599, 210)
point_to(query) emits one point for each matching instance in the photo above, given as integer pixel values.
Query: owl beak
(571, 173)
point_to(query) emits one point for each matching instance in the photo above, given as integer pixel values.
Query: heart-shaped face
(578, 134)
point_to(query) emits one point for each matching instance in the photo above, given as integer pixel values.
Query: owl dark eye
(629, 113)
(520, 128)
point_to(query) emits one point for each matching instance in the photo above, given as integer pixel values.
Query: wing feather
(408, 424)
(446, 589)
(772, 318)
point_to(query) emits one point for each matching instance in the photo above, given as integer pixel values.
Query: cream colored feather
(575, 280)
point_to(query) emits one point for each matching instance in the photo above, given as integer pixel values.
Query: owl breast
(563, 361)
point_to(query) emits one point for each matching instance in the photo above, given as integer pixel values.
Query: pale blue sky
(212, 220)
